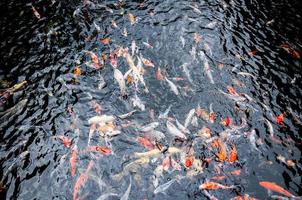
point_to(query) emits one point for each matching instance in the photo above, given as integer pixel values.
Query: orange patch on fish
(66, 141)
(129, 79)
(189, 161)
(77, 71)
(105, 41)
(212, 117)
(131, 18)
(280, 118)
(145, 142)
(99, 149)
(159, 75)
(226, 122)
(276, 188)
(213, 186)
(147, 62)
(236, 172)
(73, 161)
(166, 163)
(233, 154)
(232, 90)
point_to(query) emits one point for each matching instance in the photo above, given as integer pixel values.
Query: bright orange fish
(66, 141)
(213, 186)
(244, 197)
(73, 161)
(81, 180)
(145, 142)
(189, 161)
(77, 71)
(147, 62)
(212, 117)
(226, 121)
(280, 118)
(99, 149)
(232, 90)
(233, 154)
(222, 153)
(129, 79)
(276, 188)
(105, 41)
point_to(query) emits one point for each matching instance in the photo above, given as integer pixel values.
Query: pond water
(211, 90)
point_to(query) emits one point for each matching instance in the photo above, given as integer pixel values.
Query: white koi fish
(101, 119)
(137, 102)
(189, 117)
(175, 131)
(207, 69)
(173, 87)
(120, 80)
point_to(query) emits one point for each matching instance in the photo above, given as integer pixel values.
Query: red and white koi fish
(81, 180)
(214, 186)
(36, 13)
(175, 131)
(98, 149)
(145, 142)
(166, 163)
(73, 160)
(119, 77)
(66, 141)
(148, 45)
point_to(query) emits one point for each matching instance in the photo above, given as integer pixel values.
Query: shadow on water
(253, 46)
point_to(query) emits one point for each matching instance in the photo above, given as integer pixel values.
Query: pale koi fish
(189, 117)
(175, 131)
(211, 25)
(121, 81)
(137, 102)
(173, 87)
(36, 13)
(101, 119)
(187, 72)
(207, 69)
(149, 127)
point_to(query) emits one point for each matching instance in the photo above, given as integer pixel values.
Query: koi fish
(197, 38)
(232, 90)
(205, 132)
(113, 23)
(222, 154)
(156, 152)
(95, 61)
(175, 131)
(148, 45)
(187, 72)
(226, 122)
(66, 141)
(133, 47)
(233, 154)
(150, 127)
(211, 25)
(280, 118)
(166, 163)
(211, 114)
(213, 186)
(236, 172)
(276, 188)
(189, 117)
(125, 33)
(159, 75)
(105, 41)
(145, 142)
(207, 69)
(98, 149)
(147, 62)
(175, 165)
(253, 53)
(193, 53)
(131, 18)
(162, 188)
(73, 160)
(36, 13)
(137, 102)
(77, 71)
(113, 60)
(173, 87)
(189, 161)
(81, 180)
(101, 119)
(121, 81)
(124, 116)
(181, 127)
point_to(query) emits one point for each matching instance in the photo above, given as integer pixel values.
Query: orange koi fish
(276, 188)
(226, 122)
(213, 186)
(77, 71)
(233, 154)
(105, 41)
(81, 180)
(232, 90)
(131, 18)
(95, 61)
(280, 118)
(36, 13)
(236, 172)
(222, 153)
(66, 141)
(294, 53)
(189, 161)
(243, 197)
(253, 53)
(147, 62)
(212, 117)
(166, 163)
(145, 142)
(73, 160)
(98, 149)
(159, 75)
(197, 38)
(129, 79)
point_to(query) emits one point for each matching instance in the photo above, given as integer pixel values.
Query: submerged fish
(175, 131)
(189, 117)
(276, 188)
(101, 119)
(207, 69)
(173, 87)
(214, 186)
(119, 77)
(137, 102)
(162, 188)
(156, 152)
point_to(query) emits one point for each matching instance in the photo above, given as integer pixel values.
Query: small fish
(36, 13)
(175, 131)
(133, 47)
(253, 53)
(156, 152)
(236, 172)
(98, 149)
(222, 154)
(276, 188)
(147, 62)
(148, 45)
(280, 119)
(77, 71)
(162, 188)
(189, 161)
(106, 40)
(119, 77)
(189, 117)
(247, 74)
(165, 114)
(207, 69)
(197, 38)
(181, 127)
(124, 116)
(159, 75)
(211, 25)
(252, 139)
(149, 127)
(145, 142)
(166, 163)
(131, 18)
(127, 192)
(213, 186)
(233, 154)
(226, 122)
(101, 119)
(137, 102)
(66, 141)
(81, 180)
(187, 72)
(97, 27)
(234, 98)
(232, 90)
(173, 87)
(211, 115)
(125, 32)
(113, 59)
(113, 23)
(73, 160)
(270, 22)
(175, 165)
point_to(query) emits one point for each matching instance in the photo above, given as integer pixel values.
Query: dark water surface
(252, 46)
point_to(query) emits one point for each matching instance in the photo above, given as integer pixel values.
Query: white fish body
(165, 114)
(252, 139)
(133, 47)
(164, 187)
(194, 121)
(182, 40)
(119, 77)
(211, 24)
(208, 71)
(137, 102)
(173, 87)
(149, 127)
(175, 131)
(127, 193)
(182, 127)
(158, 134)
(189, 117)
(123, 116)
(270, 127)
(101, 119)
(193, 52)
(187, 71)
